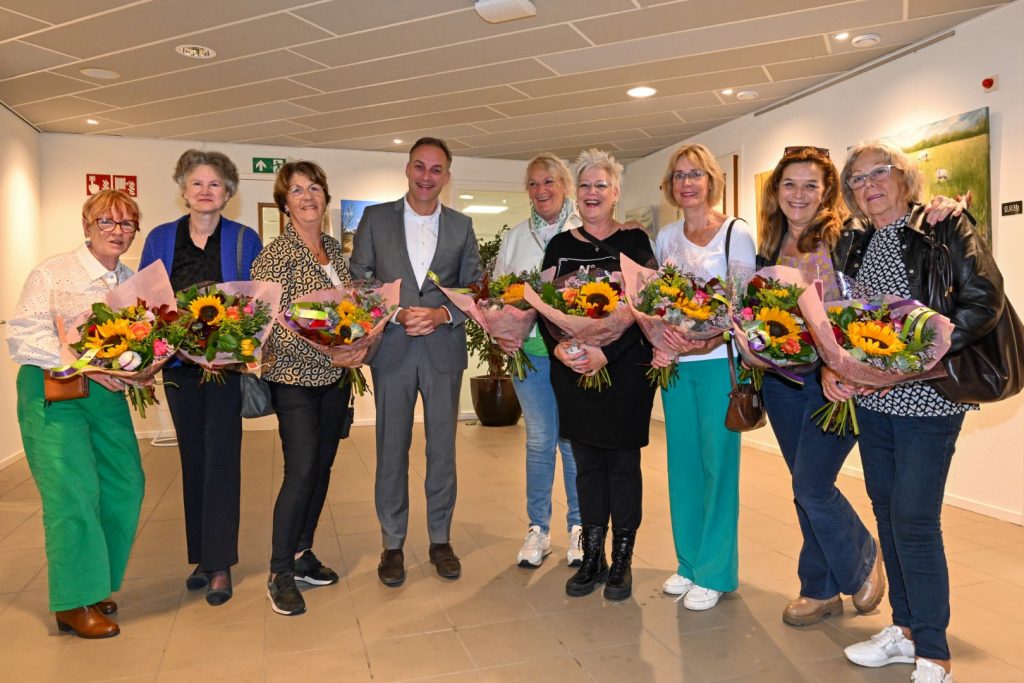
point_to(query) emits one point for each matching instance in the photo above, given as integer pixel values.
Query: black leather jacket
(976, 300)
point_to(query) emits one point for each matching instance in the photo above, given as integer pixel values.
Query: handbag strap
(728, 243)
(606, 248)
(732, 361)
(238, 253)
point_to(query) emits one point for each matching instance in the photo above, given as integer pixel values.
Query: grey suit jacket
(380, 252)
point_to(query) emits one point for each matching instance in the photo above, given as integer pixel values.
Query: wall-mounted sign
(266, 164)
(1013, 208)
(96, 182)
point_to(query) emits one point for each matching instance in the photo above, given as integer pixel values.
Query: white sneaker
(575, 555)
(888, 646)
(535, 548)
(930, 672)
(677, 584)
(699, 599)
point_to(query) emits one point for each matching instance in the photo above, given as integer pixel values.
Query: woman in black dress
(607, 428)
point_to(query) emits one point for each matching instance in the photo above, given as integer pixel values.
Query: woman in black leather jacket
(908, 434)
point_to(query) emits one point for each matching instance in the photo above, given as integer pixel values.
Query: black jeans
(309, 421)
(609, 484)
(208, 423)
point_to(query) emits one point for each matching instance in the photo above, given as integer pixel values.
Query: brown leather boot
(86, 622)
(873, 589)
(806, 611)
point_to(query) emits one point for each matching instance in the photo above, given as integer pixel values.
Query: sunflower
(514, 294)
(599, 297)
(780, 324)
(875, 338)
(110, 338)
(669, 290)
(207, 309)
(692, 309)
(346, 308)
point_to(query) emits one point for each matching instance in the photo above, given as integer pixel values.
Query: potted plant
(494, 398)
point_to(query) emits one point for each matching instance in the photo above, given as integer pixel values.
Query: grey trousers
(395, 393)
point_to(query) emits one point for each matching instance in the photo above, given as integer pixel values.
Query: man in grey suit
(423, 350)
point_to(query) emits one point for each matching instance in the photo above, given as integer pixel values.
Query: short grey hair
(218, 161)
(596, 158)
(553, 165)
(910, 176)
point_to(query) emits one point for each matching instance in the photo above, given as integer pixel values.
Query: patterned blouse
(289, 359)
(884, 272)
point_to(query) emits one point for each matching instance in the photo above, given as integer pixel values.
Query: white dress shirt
(421, 239)
(66, 285)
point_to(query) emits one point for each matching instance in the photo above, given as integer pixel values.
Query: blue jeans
(906, 460)
(838, 551)
(540, 413)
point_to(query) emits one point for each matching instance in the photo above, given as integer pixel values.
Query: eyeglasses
(296, 191)
(876, 175)
(599, 186)
(108, 224)
(694, 175)
(821, 151)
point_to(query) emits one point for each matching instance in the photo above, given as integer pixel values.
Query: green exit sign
(266, 164)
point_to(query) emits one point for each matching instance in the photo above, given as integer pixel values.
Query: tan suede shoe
(871, 591)
(806, 611)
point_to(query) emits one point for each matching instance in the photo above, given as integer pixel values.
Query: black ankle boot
(620, 576)
(594, 569)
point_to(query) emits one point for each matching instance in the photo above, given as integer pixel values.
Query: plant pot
(494, 400)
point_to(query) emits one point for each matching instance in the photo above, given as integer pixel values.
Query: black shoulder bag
(988, 370)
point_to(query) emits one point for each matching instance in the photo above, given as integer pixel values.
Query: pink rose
(747, 313)
(376, 312)
(700, 296)
(247, 309)
(160, 348)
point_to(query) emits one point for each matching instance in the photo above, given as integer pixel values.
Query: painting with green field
(953, 156)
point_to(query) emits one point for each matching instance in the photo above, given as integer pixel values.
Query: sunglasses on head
(821, 151)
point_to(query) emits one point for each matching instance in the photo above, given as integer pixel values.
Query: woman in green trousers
(82, 452)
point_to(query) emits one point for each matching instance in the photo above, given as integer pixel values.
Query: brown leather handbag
(746, 407)
(68, 389)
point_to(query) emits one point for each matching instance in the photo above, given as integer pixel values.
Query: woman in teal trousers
(82, 452)
(703, 456)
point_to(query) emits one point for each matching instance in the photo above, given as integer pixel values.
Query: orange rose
(231, 313)
(140, 330)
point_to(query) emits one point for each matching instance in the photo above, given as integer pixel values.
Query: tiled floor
(499, 622)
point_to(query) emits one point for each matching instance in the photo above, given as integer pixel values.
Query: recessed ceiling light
(866, 40)
(92, 122)
(747, 95)
(484, 208)
(465, 196)
(841, 36)
(727, 91)
(641, 91)
(195, 51)
(397, 141)
(103, 74)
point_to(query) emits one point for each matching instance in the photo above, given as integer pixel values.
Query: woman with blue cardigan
(203, 246)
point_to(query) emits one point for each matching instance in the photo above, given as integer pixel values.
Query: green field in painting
(966, 160)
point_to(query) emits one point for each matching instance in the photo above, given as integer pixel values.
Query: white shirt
(66, 285)
(421, 239)
(672, 246)
(523, 249)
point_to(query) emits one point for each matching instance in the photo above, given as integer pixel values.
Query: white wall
(19, 250)
(934, 83)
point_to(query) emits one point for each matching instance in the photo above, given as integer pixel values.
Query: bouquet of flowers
(228, 323)
(668, 299)
(877, 343)
(768, 326)
(497, 305)
(129, 335)
(352, 317)
(584, 306)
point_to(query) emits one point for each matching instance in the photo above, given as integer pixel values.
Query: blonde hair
(553, 165)
(596, 158)
(701, 157)
(910, 177)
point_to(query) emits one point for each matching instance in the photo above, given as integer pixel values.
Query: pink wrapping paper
(501, 322)
(389, 293)
(596, 332)
(785, 275)
(840, 360)
(268, 292)
(634, 278)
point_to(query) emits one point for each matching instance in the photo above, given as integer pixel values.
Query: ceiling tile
(566, 130)
(337, 16)
(458, 27)
(147, 22)
(20, 58)
(680, 131)
(467, 79)
(218, 100)
(661, 142)
(238, 40)
(924, 8)
(77, 124)
(57, 11)
(255, 130)
(276, 141)
(402, 125)
(261, 113)
(12, 24)
(896, 35)
(822, 66)
(451, 57)
(37, 86)
(386, 142)
(212, 77)
(587, 139)
(422, 105)
(59, 108)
